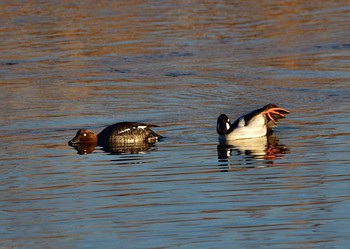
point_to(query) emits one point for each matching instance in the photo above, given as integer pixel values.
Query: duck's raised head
(223, 125)
(83, 137)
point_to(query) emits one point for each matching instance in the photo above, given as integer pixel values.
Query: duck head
(223, 125)
(83, 137)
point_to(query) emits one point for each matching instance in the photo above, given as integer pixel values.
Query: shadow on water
(139, 148)
(262, 149)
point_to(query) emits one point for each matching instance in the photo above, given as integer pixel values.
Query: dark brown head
(84, 137)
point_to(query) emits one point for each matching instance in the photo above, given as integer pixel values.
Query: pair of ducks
(254, 124)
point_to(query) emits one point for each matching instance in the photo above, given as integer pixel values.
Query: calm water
(178, 64)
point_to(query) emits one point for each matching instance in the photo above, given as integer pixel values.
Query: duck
(116, 135)
(254, 124)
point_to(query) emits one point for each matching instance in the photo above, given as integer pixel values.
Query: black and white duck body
(254, 124)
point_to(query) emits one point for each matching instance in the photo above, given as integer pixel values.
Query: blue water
(66, 66)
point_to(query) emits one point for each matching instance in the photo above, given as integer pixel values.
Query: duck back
(126, 133)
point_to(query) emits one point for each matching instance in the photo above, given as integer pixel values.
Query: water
(66, 66)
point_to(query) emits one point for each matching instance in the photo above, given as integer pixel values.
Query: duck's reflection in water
(84, 148)
(116, 149)
(265, 149)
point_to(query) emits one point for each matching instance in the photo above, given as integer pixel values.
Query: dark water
(69, 65)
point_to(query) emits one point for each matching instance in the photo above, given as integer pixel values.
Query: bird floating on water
(254, 124)
(117, 135)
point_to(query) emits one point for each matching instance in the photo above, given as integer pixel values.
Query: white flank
(255, 128)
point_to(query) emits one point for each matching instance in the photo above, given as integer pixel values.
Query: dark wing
(126, 129)
(247, 117)
(272, 113)
(125, 126)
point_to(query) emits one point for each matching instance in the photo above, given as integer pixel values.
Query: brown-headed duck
(117, 135)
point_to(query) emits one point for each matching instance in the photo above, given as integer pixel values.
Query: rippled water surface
(178, 64)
